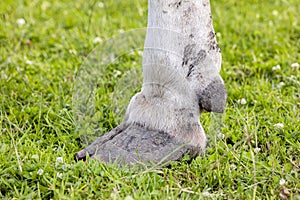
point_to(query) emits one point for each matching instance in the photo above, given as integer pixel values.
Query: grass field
(255, 154)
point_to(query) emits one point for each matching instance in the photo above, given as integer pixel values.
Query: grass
(248, 158)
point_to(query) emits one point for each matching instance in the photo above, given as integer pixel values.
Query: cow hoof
(129, 144)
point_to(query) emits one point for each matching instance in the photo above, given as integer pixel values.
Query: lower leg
(181, 65)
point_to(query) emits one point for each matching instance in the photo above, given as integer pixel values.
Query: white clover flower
(21, 22)
(29, 62)
(280, 85)
(8, 60)
(276, 68)
(45, 5)
(73, 51)
(206, 194)
(218, 34)
(221, 136)
(129, 198)
(257, 150)
(271, 23)
(59, 175)
(282, 182)
(140, 53)
(97, 40)
(232, 166)
(295, 65)
(100, 4)
(35, 156)
(40, 172)
(275, 12)
(117, 73)
(242, 101)
(59, 160)
(279, 125)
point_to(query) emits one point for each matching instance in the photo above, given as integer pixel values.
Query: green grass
(37, 126)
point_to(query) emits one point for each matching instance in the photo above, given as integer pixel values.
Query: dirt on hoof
(129, 144)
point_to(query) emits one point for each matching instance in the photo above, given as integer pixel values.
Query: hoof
(129, 144)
